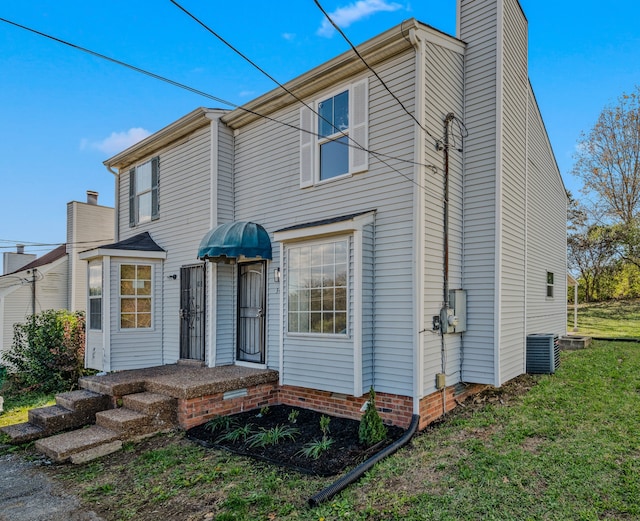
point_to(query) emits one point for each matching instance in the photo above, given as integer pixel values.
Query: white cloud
(289, 36)
(117, 141)
(345, 16)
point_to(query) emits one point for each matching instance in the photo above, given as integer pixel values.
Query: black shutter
(155, 182)
(132, 197)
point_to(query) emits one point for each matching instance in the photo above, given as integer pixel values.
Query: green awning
(235, 240)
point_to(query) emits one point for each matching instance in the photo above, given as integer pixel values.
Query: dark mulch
(346, 451)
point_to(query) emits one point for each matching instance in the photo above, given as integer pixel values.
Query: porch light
(276, 275)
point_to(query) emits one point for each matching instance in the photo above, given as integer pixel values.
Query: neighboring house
(57, 280)
(341, 242)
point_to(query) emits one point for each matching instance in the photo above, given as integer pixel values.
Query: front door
(251, 313)
(192, 311)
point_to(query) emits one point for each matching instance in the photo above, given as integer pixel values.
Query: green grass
(17, 407)
(569, 449)
(612, 319)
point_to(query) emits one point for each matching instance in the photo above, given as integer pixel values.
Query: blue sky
(63, 112)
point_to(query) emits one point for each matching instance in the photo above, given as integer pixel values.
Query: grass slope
(612, 319)
(568, 449)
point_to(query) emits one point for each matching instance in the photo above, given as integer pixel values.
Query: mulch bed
(345, 452)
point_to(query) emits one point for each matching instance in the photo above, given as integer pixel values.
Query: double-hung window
(143, 192)
(135, 296)
(549, 284)
(317, 284)
(334, 135)
(95, 295)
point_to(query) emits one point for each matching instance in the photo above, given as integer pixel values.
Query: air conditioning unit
(543, 353)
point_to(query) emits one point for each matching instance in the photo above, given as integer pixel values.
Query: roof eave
(200, 117)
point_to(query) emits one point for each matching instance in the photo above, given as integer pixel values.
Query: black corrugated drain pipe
(356, 473)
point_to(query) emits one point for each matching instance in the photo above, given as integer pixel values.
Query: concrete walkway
(29, 495)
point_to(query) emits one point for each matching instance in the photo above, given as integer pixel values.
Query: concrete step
(23, 432)
(162, 409)
(126, 422)
(111, 386)
(54, 418)
(61, 447)
(84, 401)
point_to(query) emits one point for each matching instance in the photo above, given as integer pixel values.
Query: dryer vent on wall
(543, 353)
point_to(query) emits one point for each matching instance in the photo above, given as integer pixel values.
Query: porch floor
(181, 381)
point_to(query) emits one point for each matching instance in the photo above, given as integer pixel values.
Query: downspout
(418, 227)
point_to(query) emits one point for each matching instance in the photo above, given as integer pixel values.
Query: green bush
(47, 354)
(371, 430)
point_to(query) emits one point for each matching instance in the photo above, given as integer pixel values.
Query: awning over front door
(233, 241)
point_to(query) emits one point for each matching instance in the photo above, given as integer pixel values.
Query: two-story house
(343, 237)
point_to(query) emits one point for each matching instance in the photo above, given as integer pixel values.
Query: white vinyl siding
(478, 28)
(546, 232)
(513, 192)
(443, 94)
(267, 182)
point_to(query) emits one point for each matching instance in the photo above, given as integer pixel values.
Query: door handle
(260, 313)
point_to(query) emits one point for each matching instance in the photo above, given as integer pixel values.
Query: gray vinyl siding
(368, 292)
(513, 192)
(444, 94)
(226, 197)
(185, 217)
(478, 28)
(136, 348)
(546, 232)
(267, 191)
(226, 313)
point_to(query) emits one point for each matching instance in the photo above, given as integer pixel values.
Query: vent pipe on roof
(92, 197)
(20, 249)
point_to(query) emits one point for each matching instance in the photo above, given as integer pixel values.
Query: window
(95, 295)
(549, 284)
(317, 288)
(135, 296)
(334, 135)
(143, 192)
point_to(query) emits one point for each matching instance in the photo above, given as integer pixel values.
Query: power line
(193, 90)
(300, 100)
(355, 50)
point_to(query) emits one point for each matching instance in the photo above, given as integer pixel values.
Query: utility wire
(355, 50)
(193, 90)
(300, 100)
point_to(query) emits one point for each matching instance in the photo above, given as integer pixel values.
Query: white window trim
(97, 263)
(355, 227)
(358, 132)
(152, 296)
(547, 285)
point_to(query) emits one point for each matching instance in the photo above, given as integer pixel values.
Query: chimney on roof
(92, 197)
(20, 249)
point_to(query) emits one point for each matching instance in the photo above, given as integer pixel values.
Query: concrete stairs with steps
(142, 414)
(72, 410)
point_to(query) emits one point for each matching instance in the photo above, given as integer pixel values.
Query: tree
(608, 159)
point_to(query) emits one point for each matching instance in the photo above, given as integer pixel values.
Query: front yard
(568, 448)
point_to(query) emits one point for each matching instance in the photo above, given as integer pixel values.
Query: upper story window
(95, 295)
(143, 192)
(549, 284)
(334, 138)
(135, 296)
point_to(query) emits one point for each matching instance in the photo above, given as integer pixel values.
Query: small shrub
(293, 416)
(324, 425)
(220, 423)
(315, 448)
(371, 430)
(237, 434)
(47, 353)
(272, 436)
(263, 411)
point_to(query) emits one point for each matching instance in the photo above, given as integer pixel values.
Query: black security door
(192, 311)
(251, 312)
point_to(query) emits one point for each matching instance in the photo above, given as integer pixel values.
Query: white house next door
(251, 313)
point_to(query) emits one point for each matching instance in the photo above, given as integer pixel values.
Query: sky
(64, 111)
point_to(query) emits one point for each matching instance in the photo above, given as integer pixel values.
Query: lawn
(568, 448)
(612, 319)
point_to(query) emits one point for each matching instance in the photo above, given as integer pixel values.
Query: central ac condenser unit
(543, 353)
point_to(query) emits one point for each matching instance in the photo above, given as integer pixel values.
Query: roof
(140, 242)
(322, 222)
(47, 258)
